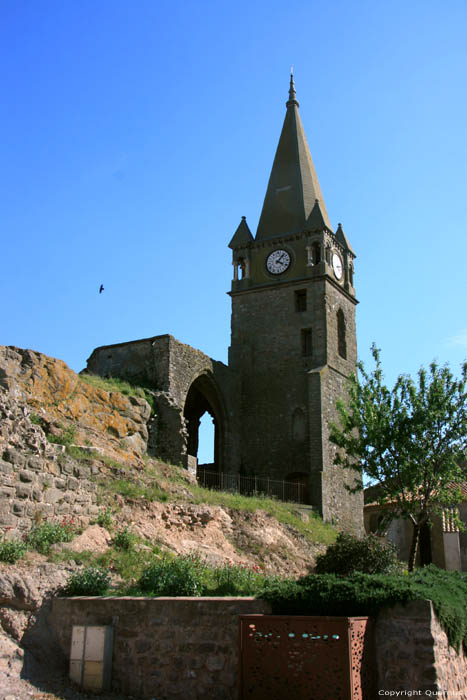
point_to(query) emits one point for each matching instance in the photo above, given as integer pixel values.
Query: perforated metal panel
(305, 658)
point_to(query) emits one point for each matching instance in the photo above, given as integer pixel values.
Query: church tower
(293, 337)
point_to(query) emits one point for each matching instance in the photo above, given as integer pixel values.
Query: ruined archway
(204, 397)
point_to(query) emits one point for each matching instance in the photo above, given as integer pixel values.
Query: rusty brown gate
(286, 657)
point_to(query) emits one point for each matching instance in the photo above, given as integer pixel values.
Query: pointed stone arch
(204, 395)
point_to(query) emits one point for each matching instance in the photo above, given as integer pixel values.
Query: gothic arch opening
(204, 397)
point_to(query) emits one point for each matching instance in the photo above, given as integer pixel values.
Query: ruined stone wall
(37, 481)
(169, 368)
(145, 360)
(165, 647)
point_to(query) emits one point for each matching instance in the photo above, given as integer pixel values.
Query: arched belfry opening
(204, 397)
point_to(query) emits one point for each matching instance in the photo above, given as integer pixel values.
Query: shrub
(349, 554)
(42, 536)
(235, 580)
(104, 519)
(123, 539)
(366, 594)
(11, 550)
(89, 581)
(181, 576)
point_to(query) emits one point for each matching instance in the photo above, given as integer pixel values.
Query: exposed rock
(93, 539)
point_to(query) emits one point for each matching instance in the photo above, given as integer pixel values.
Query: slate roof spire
(293, 186)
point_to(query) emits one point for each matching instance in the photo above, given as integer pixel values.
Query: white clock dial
(337, 265)
(278, 261)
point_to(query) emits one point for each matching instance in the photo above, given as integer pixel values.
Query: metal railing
(252, 485)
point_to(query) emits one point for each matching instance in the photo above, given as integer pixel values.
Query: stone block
(26, 476)
(7, 491)
(59, 483)
(7, 520)
(72, 483)
(37, 495)
(24, 491)
(53, 495)
(5, 468)
(19, 508)
(14, 457)
(36, 464)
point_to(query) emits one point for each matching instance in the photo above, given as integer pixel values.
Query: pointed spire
(315, 221)
(292, 94)
(293, 184)
(343, 240)
(242, 236)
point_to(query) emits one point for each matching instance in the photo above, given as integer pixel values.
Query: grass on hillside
(115, 384)
(151, 485)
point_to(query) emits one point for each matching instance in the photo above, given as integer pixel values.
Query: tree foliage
(410, 441)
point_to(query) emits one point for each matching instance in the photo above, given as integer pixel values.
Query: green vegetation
(90, 581)
(132, 490)
(181, 576)
(67, 437)
(365, 554)
(123, 539)
(11, 550)
(105, 519)
(366, 594)
(115, 384)
(44, 535)
(411, 441)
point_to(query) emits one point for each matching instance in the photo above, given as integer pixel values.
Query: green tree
(410, 441)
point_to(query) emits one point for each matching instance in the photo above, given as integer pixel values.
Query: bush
(366, 594)
(11, 550)
(104, 519)
(123, 539)
(90, 581)
(182, 576)
(235, 580)
(349, 554)
(46, 534)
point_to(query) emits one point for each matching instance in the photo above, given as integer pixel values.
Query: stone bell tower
(293, 338)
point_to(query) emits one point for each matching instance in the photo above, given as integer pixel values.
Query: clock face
(337, 265)
(278, 261)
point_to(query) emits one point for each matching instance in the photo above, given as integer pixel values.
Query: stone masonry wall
(413, 653)
(188, 647)
(170, 368)
(37, 481)
(165, 647)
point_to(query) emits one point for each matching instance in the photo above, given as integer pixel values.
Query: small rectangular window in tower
(300, 300)
(307, 342)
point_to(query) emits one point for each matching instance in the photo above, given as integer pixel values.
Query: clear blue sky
(134, 135)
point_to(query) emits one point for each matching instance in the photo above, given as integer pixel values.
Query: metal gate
(305, 658)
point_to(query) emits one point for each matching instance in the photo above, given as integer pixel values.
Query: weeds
(44, 535)
(11, 550)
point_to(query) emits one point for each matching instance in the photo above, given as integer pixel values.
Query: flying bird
(101, 289)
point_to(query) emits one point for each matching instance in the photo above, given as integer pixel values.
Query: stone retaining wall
(413, 653)
(165, 647)
(188, 647)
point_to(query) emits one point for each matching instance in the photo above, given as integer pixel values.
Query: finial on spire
(292, 95)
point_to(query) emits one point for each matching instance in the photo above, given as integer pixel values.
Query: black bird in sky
(101, 289)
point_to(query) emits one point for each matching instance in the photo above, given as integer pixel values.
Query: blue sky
(136, 134)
